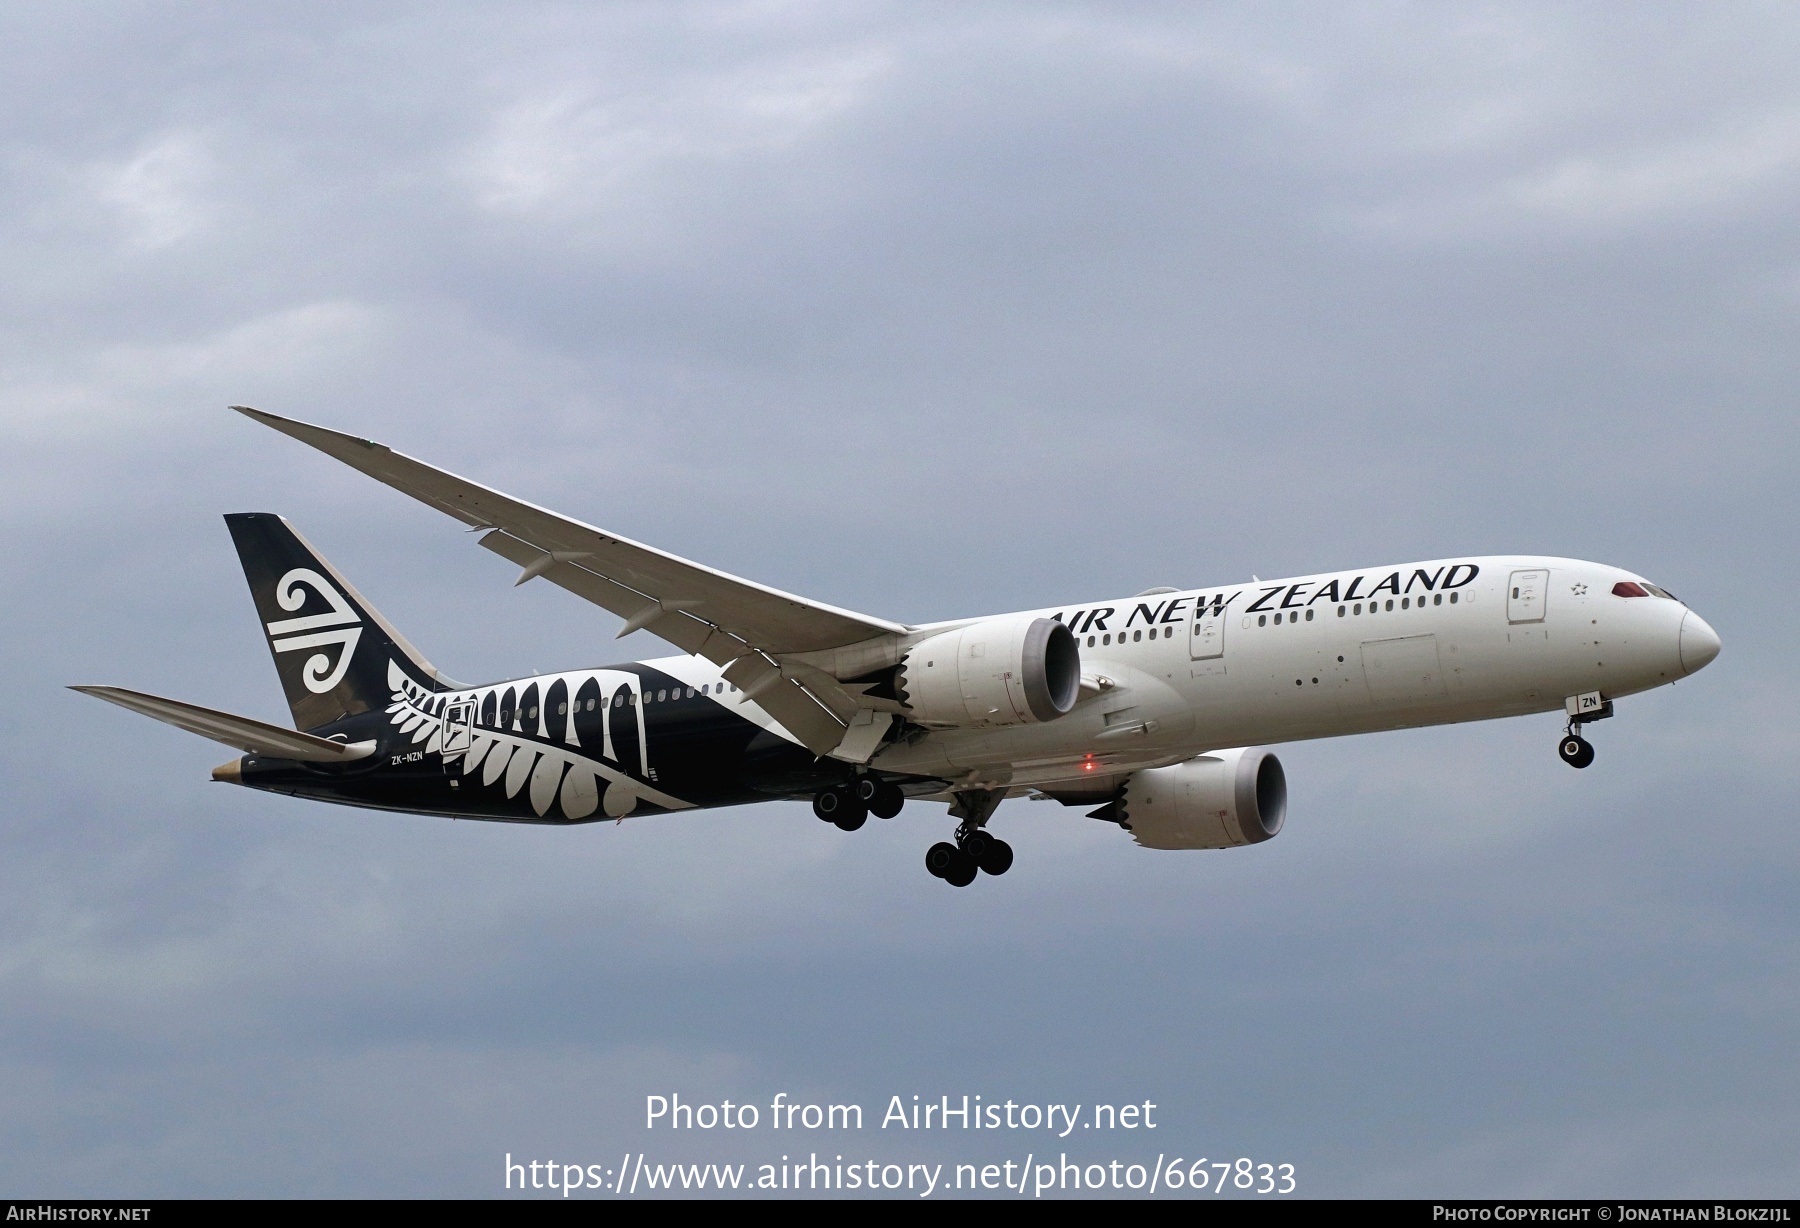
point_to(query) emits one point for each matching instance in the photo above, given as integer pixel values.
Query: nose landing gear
(1577, 751)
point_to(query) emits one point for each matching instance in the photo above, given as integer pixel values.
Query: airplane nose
(1699, 643)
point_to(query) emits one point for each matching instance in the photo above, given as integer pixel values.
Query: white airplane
(1148, 708)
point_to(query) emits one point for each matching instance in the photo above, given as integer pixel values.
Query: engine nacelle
(1213, 801)
(1018, 670)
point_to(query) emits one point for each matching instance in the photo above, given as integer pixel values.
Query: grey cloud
(923, 311)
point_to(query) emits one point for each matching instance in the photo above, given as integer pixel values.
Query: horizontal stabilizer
(256, 737)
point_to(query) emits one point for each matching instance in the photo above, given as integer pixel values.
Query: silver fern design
(415, 710)
(548, 773)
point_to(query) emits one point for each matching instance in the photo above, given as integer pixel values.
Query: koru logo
(291, 634)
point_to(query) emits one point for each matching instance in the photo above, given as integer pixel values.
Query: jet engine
(1017, 670)
(1214, 801)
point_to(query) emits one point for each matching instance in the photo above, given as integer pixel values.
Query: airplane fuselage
(1165, 676)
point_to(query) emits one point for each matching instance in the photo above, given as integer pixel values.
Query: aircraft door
(1206, 635)
(459, 719)
(1525, 596)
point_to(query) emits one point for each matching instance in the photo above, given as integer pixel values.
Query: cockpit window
(1625, 588)
(1664, 593)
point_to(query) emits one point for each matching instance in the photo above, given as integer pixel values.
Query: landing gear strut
(1577, 751)
(975, 849)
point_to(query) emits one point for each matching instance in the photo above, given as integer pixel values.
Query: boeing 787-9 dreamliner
(1146, 709)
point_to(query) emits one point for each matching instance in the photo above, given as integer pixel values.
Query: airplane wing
(744, 626)
(241, 732)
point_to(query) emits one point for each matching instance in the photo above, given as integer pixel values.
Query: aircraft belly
(496, 762)
(519, 769)
(580, 793)
(546, 781)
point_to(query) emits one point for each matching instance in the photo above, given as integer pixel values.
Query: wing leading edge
(745, 627)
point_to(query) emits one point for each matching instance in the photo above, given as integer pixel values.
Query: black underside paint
(701, 752)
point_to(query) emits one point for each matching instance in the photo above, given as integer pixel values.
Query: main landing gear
(849, 805)
(974, 850)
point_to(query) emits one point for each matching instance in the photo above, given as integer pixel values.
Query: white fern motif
(556, 774)
(411, 710)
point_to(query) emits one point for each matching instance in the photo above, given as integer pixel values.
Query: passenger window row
(1406, 603)
(1136, 636)
(620, 700)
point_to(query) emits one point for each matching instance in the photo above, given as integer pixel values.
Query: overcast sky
(926, 311)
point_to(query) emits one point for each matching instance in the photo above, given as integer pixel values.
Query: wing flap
(806, 700)
(241, 732)
(782, 697)
(686, 631)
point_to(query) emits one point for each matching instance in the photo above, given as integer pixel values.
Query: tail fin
(306, 605)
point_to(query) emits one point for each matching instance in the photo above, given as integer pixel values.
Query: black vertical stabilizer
(334, 652)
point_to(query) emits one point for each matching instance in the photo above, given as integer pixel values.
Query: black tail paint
(332, 649)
